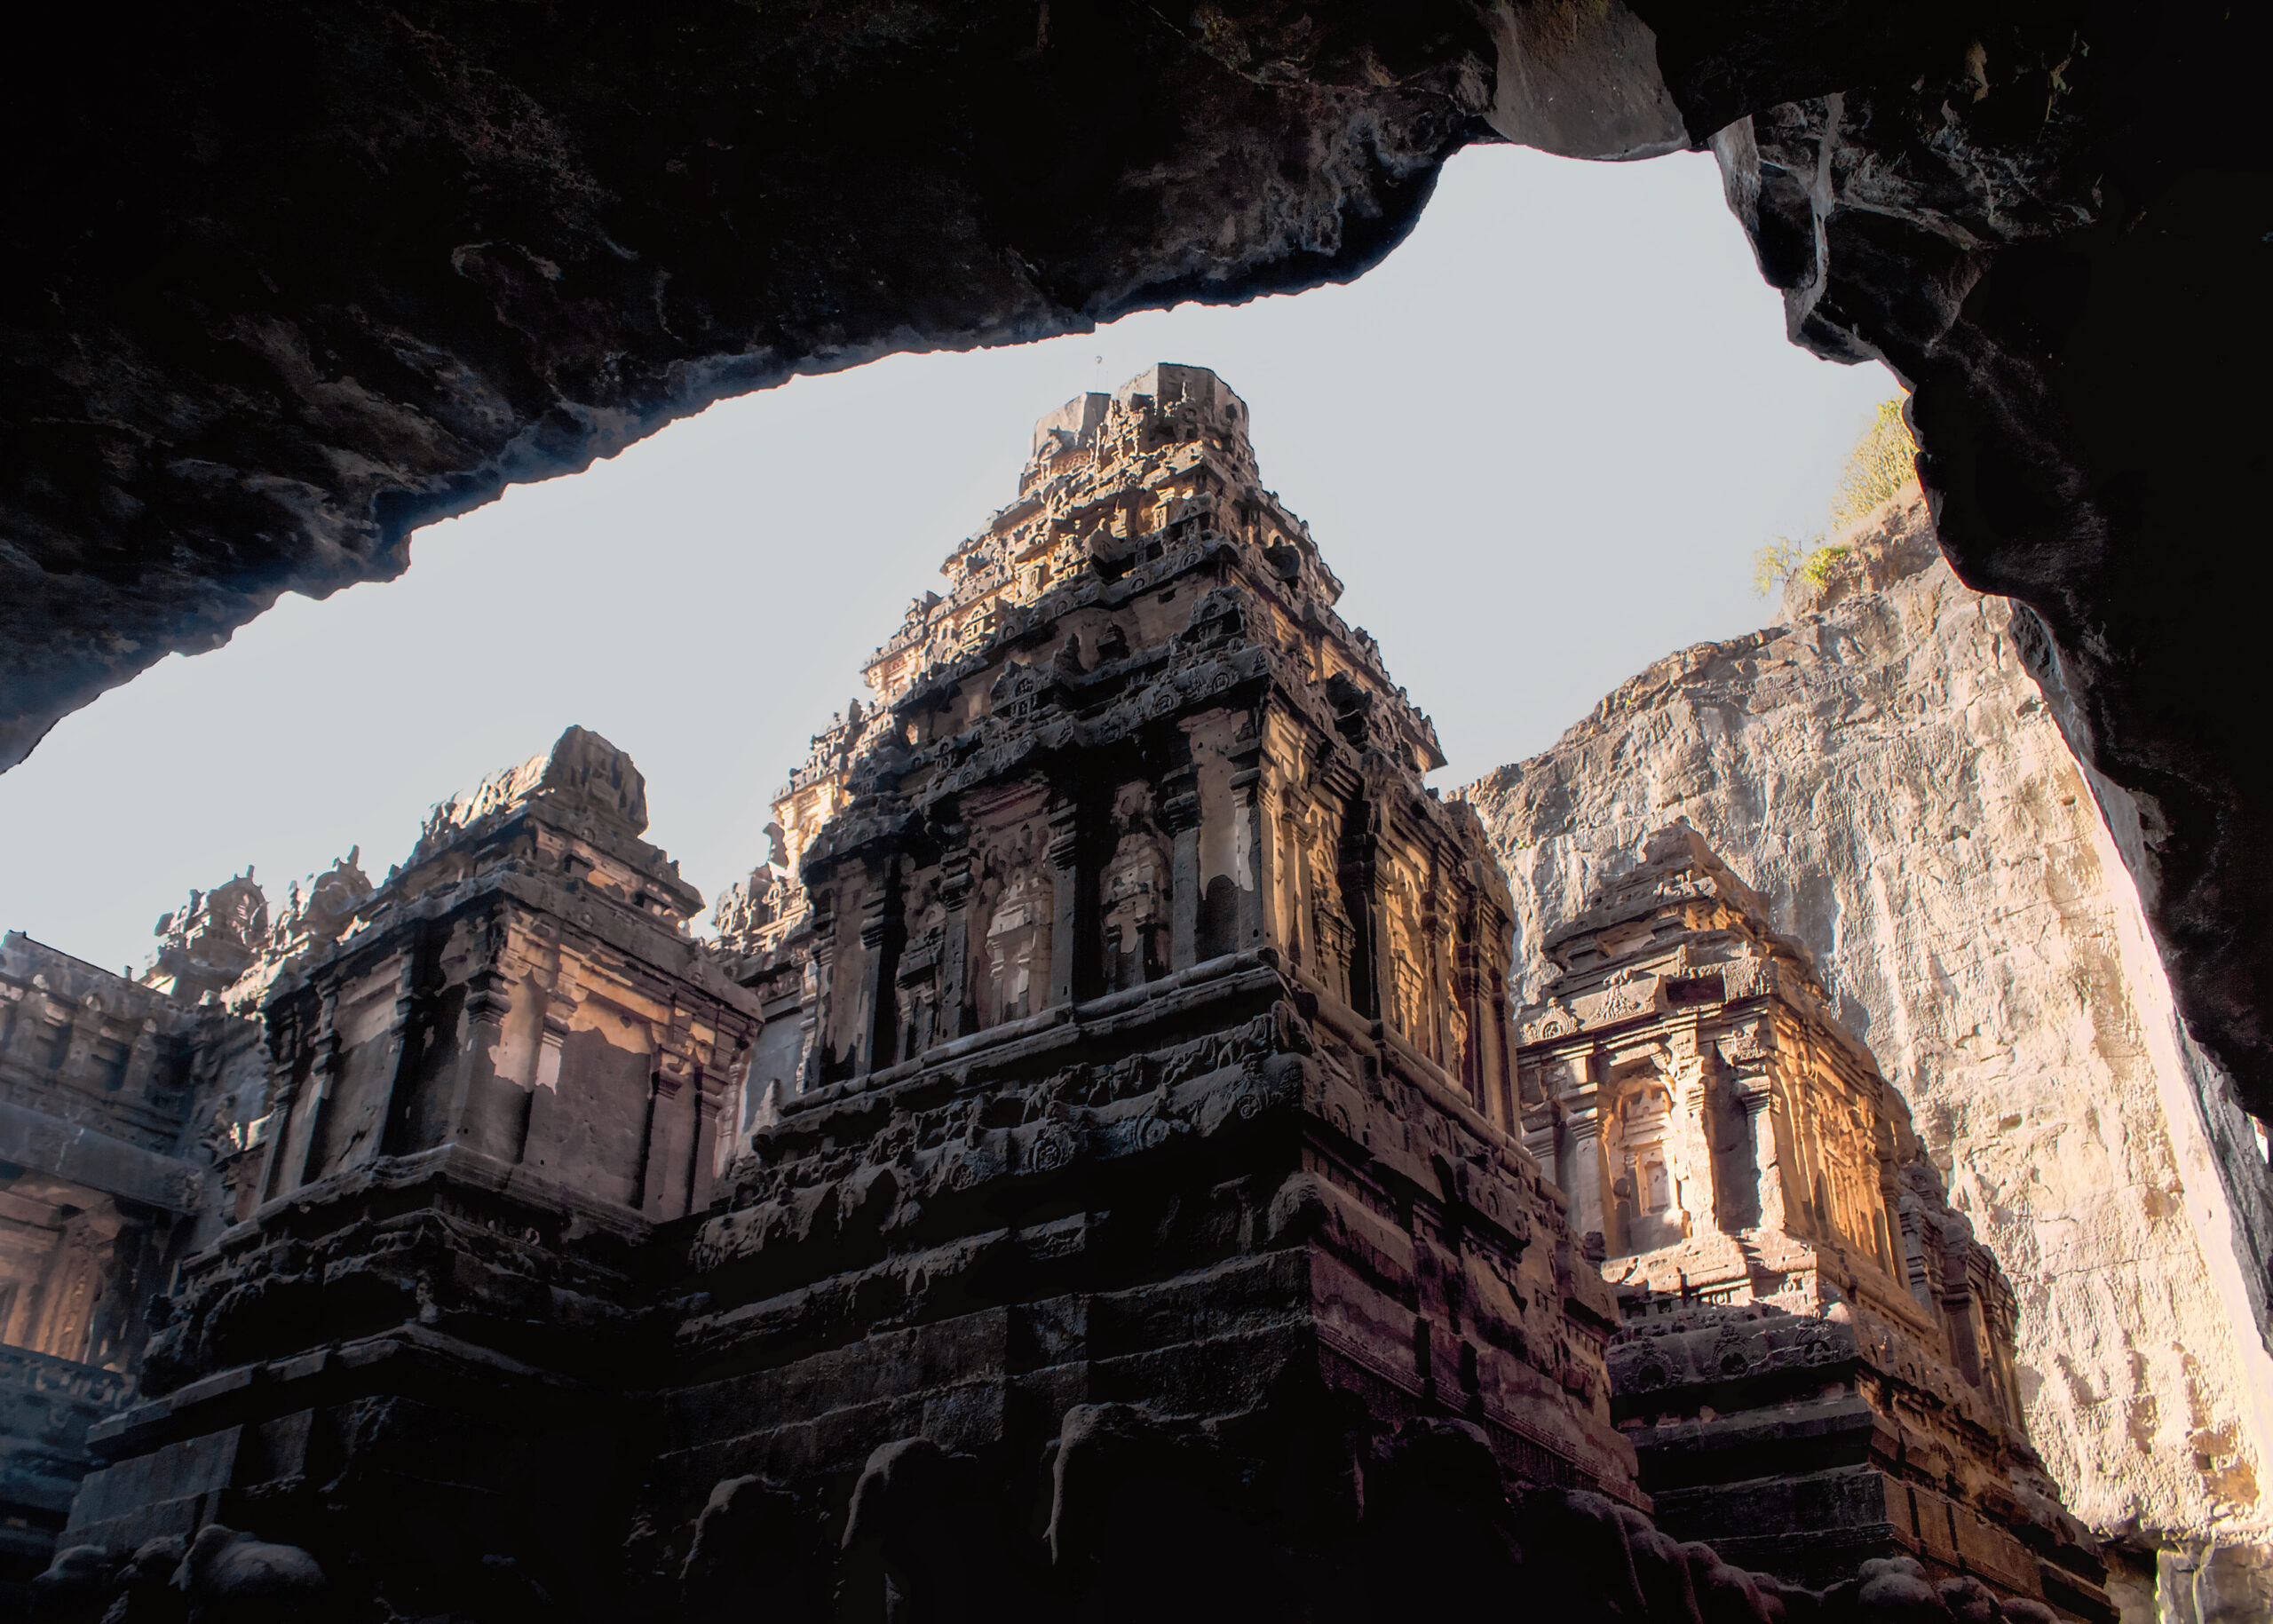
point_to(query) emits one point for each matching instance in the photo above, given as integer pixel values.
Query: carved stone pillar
(1542, 1132)
(1582, 1168)
(1180, 815)
(713, 1088)
(955, 1015)
(1433, 1019)
(1503, 1067)
(306, 1127)
(823, 999)
(1756, 1096)
(1688, 1135)
(1917, 1269)
(1253, 846)
(1538, 1114)
(1361, 892)
(30, 1034)
(1301, 946)
(401, 1061)
(537, 1095)
(287, 1050)
(1065, 910)
(882, 931)
(83, 1026)
(663, 1177)
(1480, 1071)
(559, 1008)
(482, 1110)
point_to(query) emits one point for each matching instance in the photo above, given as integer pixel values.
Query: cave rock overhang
(289, 280)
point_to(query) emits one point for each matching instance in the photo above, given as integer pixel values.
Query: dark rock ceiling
(285, 281)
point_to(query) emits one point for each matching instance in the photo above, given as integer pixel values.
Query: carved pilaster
(1582, 1168)
(881, 930)
(712, 1090)
(1502, 1063)
(1361, 894)
(325, 1056)
(27, 1032)
(1253, 848)
(1180, 816)
(821, 993)
(287, 1051)
(1755, 1096)
(662, 1172)
(85, 1026)
(552, 1033)
(1295, 810)
(473, 1089)
(1542, 1130)
(1479, 1071)
(401, 1061)
(956, 1016)
(1066, 908)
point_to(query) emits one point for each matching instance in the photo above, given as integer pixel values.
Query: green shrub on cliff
(1777, 562)
(1882, 462)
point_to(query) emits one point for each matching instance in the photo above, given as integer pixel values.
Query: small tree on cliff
(1777, 562)
(1882, 462)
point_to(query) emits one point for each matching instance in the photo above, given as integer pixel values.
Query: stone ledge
(91, 1157)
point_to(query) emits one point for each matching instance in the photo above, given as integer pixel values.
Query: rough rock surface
(285, 281)
(1148, 1241)
(1883, 767)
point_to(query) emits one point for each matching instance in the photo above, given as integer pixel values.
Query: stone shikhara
(1795, 1288)
(1086, 1177)
(1884, 766)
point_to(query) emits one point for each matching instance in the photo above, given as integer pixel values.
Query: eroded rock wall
(1883, 766)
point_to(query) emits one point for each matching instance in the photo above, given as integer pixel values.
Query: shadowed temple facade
(1091, 1173)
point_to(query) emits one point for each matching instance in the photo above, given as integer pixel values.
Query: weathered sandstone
(1883, 767)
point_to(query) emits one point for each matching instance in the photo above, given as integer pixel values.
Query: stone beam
(91, 1158)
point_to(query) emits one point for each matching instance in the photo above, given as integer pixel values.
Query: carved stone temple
(1084, 1177)
(1152, 1078)
(1816, 1363)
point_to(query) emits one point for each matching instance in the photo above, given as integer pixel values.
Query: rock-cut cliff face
(1882, 765)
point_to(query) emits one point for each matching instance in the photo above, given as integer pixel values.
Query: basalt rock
(1816, 1367)
(125, 1136)
(286, 282)
(1138, 1228)
(1882, 766)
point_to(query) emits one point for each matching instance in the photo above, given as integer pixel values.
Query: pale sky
(1540, 445)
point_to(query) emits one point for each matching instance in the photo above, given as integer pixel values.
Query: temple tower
(486, 1090)
(1154, 1051)
(1816, 1366)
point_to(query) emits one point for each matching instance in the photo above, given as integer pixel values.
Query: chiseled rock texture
(1148, 1240)
(1883, 767)
(1815, 1360)
(284, 281)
